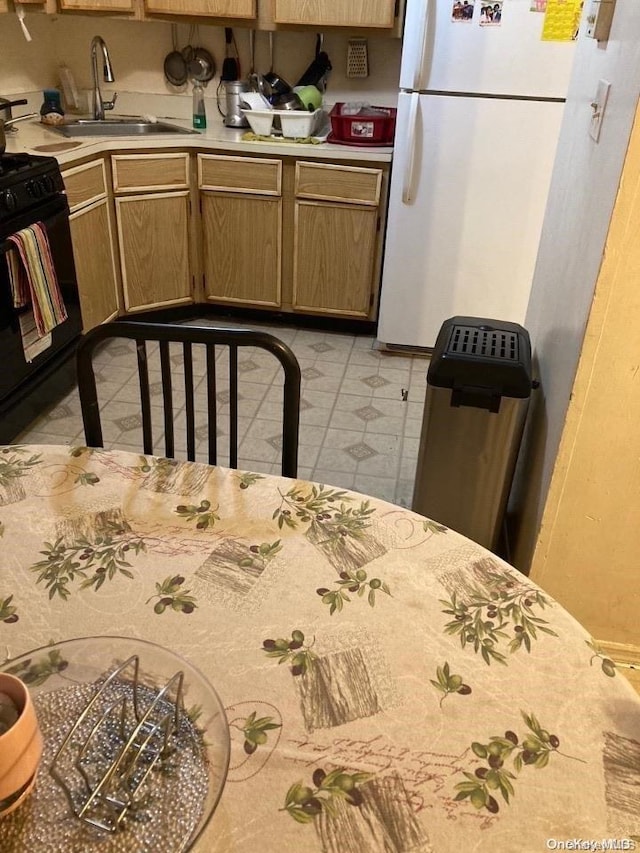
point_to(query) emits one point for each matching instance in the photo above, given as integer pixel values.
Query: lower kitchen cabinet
(92, 238)
(95, 267)
(290, 234)
(153, 219)
(336, 247)
(277, 233)
(241, 209)
(334, 253)
(153, 235)
(241, 248)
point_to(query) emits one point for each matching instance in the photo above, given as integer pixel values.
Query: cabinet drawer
(239, 174)
(338, 183)
(135, 172)
(85, 184)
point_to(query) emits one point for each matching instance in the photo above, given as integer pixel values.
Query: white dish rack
(295, 124)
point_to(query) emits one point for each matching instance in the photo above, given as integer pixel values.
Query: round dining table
(390, 686)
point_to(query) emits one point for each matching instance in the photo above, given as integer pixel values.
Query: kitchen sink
(117, 127)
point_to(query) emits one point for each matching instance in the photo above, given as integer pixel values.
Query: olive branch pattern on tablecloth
(170, 595)
(291, 651)
(534, 750)
(94, 561)
(80, 450)
(8, 610)
(255, 730)
(206, 517)
(432, 527)
(448, 682)
(12, 466)
(608, 666)
(352, 581)
(248, 478)
(501, 611)
(304, 803)
(87, 478)
(321, 505)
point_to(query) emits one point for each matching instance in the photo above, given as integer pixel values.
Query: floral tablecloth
(390, 685)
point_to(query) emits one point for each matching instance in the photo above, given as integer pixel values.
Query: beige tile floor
(356, 430)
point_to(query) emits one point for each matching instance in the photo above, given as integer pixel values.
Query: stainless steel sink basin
(117, 127)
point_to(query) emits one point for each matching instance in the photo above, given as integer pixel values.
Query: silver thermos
(233, 97)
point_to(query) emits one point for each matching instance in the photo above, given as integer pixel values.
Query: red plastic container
(364, 129)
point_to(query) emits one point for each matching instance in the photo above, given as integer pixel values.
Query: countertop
(32, 136)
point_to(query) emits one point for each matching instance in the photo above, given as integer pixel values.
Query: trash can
(478, 390)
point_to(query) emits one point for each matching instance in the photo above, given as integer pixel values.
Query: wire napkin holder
(117, 740)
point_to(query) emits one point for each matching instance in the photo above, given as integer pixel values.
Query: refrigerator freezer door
(439, 54)
(467, 240)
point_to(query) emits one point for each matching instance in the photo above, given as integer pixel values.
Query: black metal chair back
(187, 335)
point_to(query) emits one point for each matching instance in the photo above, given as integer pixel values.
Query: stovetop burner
(26, 182)
(11, 164)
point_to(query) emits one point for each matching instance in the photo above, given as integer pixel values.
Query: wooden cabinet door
(153, 233)
(336, 13)
(97, 5)
(209, 8)
(334, 258)
(95, 264)
(242, 248)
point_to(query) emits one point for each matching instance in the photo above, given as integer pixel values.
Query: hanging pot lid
(202, 66)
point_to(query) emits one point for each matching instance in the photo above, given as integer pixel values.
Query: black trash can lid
(479, 353)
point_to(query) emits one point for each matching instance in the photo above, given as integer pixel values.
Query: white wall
(583, 190)
(137, 50)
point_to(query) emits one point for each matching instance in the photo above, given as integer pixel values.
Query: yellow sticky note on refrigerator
(561, 20)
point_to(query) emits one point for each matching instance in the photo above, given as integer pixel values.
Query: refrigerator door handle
(419, 71)
(409, 169)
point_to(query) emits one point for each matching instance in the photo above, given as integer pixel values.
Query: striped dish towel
(35, 279)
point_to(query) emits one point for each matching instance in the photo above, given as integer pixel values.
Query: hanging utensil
(175, 68)
(255, 82)
(20, 16)
(201, 67)
(187, 50)
(317, 73)
(277, 84)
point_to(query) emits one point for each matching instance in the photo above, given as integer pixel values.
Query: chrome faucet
(99, 106)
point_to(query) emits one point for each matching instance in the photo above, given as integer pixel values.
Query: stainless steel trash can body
(478, 390)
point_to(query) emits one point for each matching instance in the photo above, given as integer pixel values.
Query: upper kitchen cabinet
(205, 8)
(336, 13)
(97, 5)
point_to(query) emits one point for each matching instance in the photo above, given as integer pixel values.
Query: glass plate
(177, 799)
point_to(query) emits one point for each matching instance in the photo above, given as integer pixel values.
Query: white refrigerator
(479, 114)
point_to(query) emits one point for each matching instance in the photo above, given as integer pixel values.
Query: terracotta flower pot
(20, 747)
